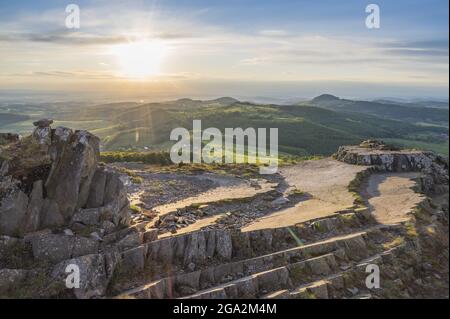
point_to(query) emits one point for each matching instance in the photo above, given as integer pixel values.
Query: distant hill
(8, 118)
(411, 113)
(429, 104)
(325, 98)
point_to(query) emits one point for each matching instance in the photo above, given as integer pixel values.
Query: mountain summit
(325, 98)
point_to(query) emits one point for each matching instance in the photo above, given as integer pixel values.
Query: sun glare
(140, 59)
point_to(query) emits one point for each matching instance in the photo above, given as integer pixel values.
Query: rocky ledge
(383, 157)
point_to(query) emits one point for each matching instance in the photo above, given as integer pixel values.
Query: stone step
(349, 283)
(198, 280)
(282, 278)
(319, 277)
(196, 250)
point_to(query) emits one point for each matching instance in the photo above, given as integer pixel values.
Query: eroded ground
(178, 202)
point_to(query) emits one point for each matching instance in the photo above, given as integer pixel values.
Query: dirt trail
(390, 196)
(325, 180)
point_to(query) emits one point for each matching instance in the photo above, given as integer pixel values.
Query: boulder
(97, 191)
(55, 248)
(72, 171)
(51, 216)
(90, 216)
(33, 214)
(115, 200)
(43, 123)
(94, 277)
(13, 209)
(42, 135)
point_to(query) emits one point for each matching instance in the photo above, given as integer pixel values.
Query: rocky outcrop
(51, 176)
(435, 177)
(376, 153)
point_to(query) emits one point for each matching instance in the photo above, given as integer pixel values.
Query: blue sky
(193, 42)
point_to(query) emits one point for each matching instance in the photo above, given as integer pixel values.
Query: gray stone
(90, 216)
(43, 123)
(94, 278)
(52, 248)
(108, 226)
(33, 215)
(51, 217)
(223, 245)
(13, 208)
(55, 248)
(131, 240)
(150, 235)
(42, 135)
(280, 201)
(134, 259)
(97, 192)
(72, 171)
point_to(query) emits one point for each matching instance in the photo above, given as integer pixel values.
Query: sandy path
(325, 180)
(390, 196)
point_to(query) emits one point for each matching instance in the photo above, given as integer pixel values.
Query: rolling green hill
(317, 127)
(412, 113)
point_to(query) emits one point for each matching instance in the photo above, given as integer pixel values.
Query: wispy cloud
(205, 45)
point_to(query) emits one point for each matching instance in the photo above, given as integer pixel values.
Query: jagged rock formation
(57, 204)
(55, 184)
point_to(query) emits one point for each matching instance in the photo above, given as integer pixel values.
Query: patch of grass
(397, 241)
(297, 192)
(134, 177)
(160, 158)
(411, 230)
(317, 226)
(135, 209)
(348, 219)
(308, 295)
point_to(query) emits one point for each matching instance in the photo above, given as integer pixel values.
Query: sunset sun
(140, 59)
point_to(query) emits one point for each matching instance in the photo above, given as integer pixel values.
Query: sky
(213, 48)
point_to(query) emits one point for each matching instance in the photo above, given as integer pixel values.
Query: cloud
(78, 38)
(431, 50)
(418, 53)
(274, 33)
(433, 44)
